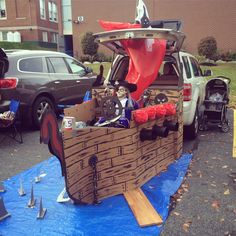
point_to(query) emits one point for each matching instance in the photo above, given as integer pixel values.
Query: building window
(52, 11)
(54, 37)
(42, 9)
(2, 9)
(45, 36)
(3, 35)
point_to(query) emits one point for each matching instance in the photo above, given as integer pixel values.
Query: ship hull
(123, 161)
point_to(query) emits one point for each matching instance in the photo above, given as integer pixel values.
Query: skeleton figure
(110, 91)
(123, 90)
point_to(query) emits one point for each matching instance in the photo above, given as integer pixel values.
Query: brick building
(200, 18)
(41, 21)
(30, 20)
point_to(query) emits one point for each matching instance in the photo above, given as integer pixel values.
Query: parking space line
(234, 136)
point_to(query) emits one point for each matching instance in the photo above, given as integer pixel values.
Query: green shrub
(200, 59)
(208, 47)
(85, 58)
(234, 56)
(215, 57)
(89, 46)
(101, 57)
(23, 45)
(228, 56)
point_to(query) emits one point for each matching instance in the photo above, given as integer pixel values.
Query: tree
(207, 47)
(89, 46)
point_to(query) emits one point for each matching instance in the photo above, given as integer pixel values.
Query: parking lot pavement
(206, 203)
(15, 157)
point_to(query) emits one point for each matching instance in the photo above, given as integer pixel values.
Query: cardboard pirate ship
(99, 162)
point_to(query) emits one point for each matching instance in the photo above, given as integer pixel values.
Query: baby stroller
(214, 109)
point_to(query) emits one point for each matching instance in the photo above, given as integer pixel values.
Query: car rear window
(187, 67)
(31, 64)
(196, 68)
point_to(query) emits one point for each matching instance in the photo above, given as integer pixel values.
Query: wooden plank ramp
(142, 209)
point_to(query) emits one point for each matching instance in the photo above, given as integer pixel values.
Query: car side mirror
(88, 69)
(207, 73)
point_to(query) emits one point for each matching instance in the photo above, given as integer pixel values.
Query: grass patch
(95, 67)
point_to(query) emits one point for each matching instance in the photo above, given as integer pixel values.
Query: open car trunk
(142, 59)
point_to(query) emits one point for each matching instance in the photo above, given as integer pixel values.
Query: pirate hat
(131, 87)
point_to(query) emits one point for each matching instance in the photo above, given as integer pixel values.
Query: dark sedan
(42, 80)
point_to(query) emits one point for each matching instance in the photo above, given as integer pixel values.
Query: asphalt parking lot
(204, 205)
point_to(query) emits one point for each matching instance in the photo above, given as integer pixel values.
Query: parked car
(194, 93)
(184, 72)
(41, 80)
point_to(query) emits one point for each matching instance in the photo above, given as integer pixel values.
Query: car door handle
(77, 81)
(56, 82)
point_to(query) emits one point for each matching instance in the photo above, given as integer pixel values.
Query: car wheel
(192, 130)
(225, 127)
(41, 105)
(225, 123)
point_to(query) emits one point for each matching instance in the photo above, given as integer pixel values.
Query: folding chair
(10, 123)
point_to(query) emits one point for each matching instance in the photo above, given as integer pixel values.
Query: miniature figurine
(32, 200)
(110, 90)
(124, 89)
(121, 90)
(42, 211)
(3, 212)
(21, 190)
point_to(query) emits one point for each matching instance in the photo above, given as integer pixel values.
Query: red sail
(109, 25)
(146, 56)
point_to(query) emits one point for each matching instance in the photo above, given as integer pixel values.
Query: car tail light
(8, 83)
(187, 92)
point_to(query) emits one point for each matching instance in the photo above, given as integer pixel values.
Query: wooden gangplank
(142, 209)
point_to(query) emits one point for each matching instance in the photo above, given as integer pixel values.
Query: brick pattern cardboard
(124, 161)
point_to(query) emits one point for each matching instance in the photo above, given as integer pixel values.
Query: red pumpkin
(170, 109)
(160, 110)
(140, 116)
(151, 111)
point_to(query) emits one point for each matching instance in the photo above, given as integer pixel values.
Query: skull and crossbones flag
(142, 16)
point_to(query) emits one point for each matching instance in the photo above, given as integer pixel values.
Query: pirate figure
(126, 103)
(124, 89)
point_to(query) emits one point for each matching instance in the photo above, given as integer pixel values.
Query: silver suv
(42, 80)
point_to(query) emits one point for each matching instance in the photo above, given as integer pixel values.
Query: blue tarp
(111, 217)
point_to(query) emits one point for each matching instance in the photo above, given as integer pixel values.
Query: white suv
(194, 92)
(185, 68)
